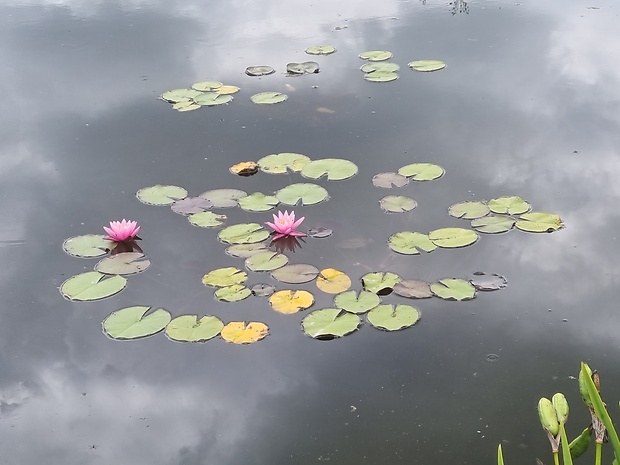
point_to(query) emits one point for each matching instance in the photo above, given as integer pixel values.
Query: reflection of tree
(456, 6)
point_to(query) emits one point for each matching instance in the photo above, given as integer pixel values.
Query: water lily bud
(583, 388)
(561, 407)
(548, 417)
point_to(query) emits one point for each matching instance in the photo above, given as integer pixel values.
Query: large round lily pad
(376, 55)
(469, 210)
(422, 171)
(179, 95)
(268, 98)
(123, 263)
(244, 233)
(393, 317)
(266, 261)
(223, 198)
(427, 65)
(512, 205)
(190, 205)
(389, 180)
(397, 204)
(295, 274)
(383, 66)
(280, 163)
(336, 169)
(539, 222)
(88, 246)
(410, 243)
(260, 70)
(238, 332)
(493, 224)
(321, 50)
(161, 194)
(380, 283)
(211, 99)
(413, 289)
(188, 328)
(233, 293)
(302, 194)
(206, 86)
(357, 302)
(289, 302)
(246, 250)
(452, 237)
(206, 219)
(92, 285)
(258, 202)
(130, 322)
(381, 76)
(329, 323)
(453, 289)
(332, 281)
(223, 277)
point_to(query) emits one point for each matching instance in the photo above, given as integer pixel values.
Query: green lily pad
(223, 277)
(381, 76)
(509, 205)
(389, 180)
(161, 195)
(190, 205)
(130, 322)
(422, 171)
(266, 261)
(357, 302)
(268, 98)
(376, 55)
(469, 210)
(281, 163)
(539, 222)
(302, 194)
(188, 105)
(329, 323)
(206, 86)
(244, 233)
(295, 274)
(427, 65)
(453, 237)
(87, 246)
(397, 204)
(259, 70)
(320, 50)
(258, 202)
(206, 219)
(223, 198)
(454, 289)
(410, 243)
(92, 285)
(336, 169)
(383, 66)
(393, 317)
(211, 99)
(123, 263)
(413, 289)
(179, 95)
(493, 224)
(188, 328)
(233, 293)
(309, 67)
(246, 250)
(380, 283)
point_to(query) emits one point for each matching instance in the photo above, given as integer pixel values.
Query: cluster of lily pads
(380, 70)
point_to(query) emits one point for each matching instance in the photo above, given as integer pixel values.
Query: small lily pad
(246, 250)
(281, 163)
(206, 86)
(130, 322)
(87, 246)
(397, 204)
(258, 202)
(413, 289)
(376, 55)
(211, 99)
(244, 233)
(469, 210)
(246, 168)
(488, 282)
(233, 293)
(289, 302)
(332, 281)
(454, 289)
(186, 106)
(259, 70)
(393, 317)
(320, 232)
(309, 67)
(493, 224)
(295, 274)
(336, 169)
(227, 90)
(427, 65)
(262, 290)
(268, 98)
(380, 283)
(383, 66)
(381, 76)
(389, 180)
(266, 261)
(302, 194)
(330, 323)
(223, 277)
(422, 171)
(190, 205)
(123, 263)
(188, 328)
(206, 219)
(410, 243)
(223, 198)
(355, 302)
(453, 237)
(539, 222)
(513, 205)
(179, 95)
(92, 285)
(320, 50)
(161, 195)
(238, 332)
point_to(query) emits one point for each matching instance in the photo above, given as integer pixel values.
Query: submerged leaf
(427, 65)
(92, 285)
(493, 224)
(393, 317)
(320, 232)
(389, 180)
(262, 290)
(258, 202)
(280, 163)
(161, 195)
(539, 222)
(397, 204)
(238, 332)
(509, 205)
(223, 277)
(290, 302)
(302, 193)
(410, 243)
(302, 68)
(266, 261)
(244, 233)
(336, 169)
(130, 322)
(259, 70)
(206, 219)
(454, 289)
(453, 237)
(422, 171)
(321, 50)
(469, 210)
(413, 289)
(329, 323)
(376, 55)
(223, 198)
(190, 205)
(233, 293)
(268, 98)
(333, 281)
(295, 274)
(355, 302)
(488, 282)
(380, 283)
(123, 263)
(188, 328)
(87, 246)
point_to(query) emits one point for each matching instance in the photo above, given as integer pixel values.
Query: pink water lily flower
(122, 231)
(284, 224)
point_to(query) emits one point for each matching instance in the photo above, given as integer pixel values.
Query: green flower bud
(583, 388)
(548, 417)
(561, 407)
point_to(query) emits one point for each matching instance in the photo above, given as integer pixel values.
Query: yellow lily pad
(290, 302)
(333, 281)
(238, 332)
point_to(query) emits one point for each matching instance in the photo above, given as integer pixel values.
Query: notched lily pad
(397, 204)
(131, 322)
(488, 282)
(295, 274)
(190, 205)
(539, 222)
(223, 198)
(289, 302)
(493, 224)
(188, 105)
(244, 233)
(380, 283)
(410, 243)
(422, 171)
(381, 76)
(87, 246)
(123, 263)
(206, 86)
(453, 237)
(329, 323)
(268, 98)
(92, 285)
(211, 99)
(427, 65)
(469, 210)
(393, 317)
(261, 70)
(320, 50)
(382, 66)
(238, 332)
(332, 281)
(281, 163)
(336, 169)
(188, 328)
(227, 90)
(513, 205)
(454, 289)
(223, 277)
(258, 202)
(309, 67)
(233, 293)
(266, 261)
(357, 302)
(246, 250)
(376, 55)
(302, 194)
(206, 219)
(389, 180)
(161, 194)
(413, 289)
(179, 95)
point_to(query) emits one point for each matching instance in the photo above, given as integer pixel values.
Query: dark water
(528, 106)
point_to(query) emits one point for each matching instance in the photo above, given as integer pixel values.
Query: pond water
(528, 105)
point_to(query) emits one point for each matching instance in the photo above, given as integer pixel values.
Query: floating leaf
(233, 293)
(244, 233)
(246, 168)
(268, 98)
(186, 106)
(259, 70)
(223, 198)
(413, 289)
(262, 290)
(92, 285)
(266, 261)
(329, 323)
(384, 66)
(454, 289)
(321, 50)
(397, 204)
(258, 202)
(206, 86)
(410, 243)
(427, 65)
(336, 169)
(376, 55)
(389, 180)
(295, 274)
(488, 282)
(123, 263)
(422, 171)
(188, 328)
(87, 246)
(393, 317)
(539, 222)
(238, 332)
(280, 163)
(355, 302)
(206, 219)
(302, 68)
(130, 322)
(493, 224)
(453, 237)
(223, 277)
(161, 195)
(333, 281)
(290, 302)
(210, 99)
(380, 283)
(179, 95)
(246, 250)
(320, 233)
(511, 205)
(190, 205)
(381, 76)
(227, 90)
(469, 210)
(302, 194)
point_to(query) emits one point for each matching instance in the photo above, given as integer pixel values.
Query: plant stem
(597, 458)
(556, 459)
